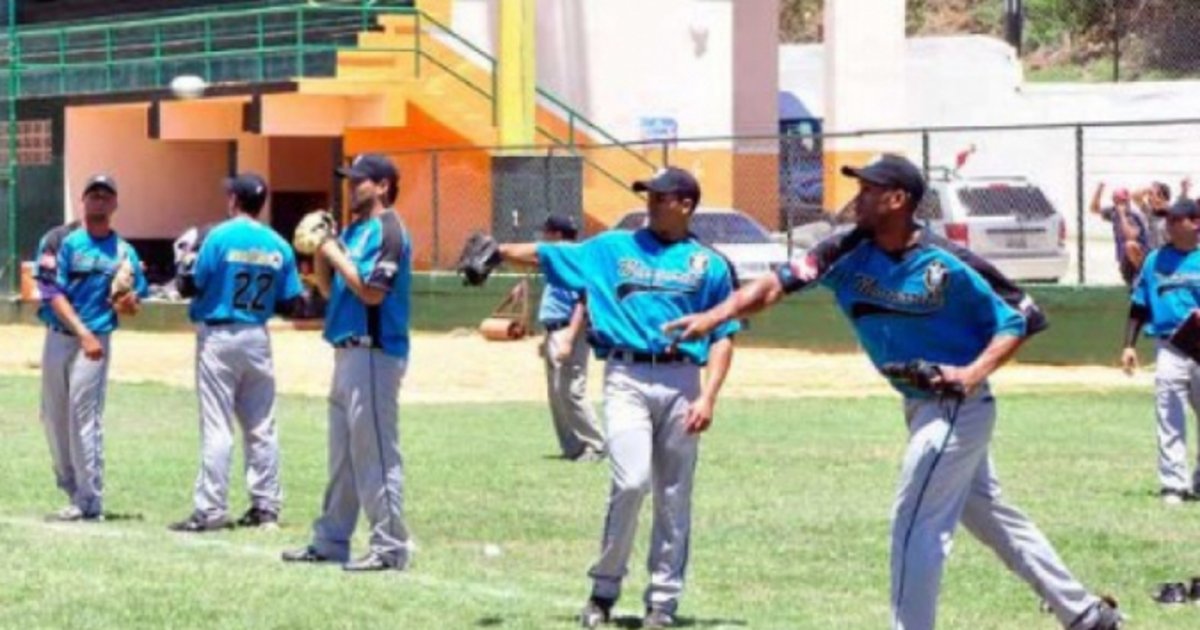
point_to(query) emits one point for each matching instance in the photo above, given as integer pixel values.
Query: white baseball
(492, 551)
(188, 86)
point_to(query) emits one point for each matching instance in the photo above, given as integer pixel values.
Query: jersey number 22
(250, 291)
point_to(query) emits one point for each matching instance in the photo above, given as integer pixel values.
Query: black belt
(633, 356)
(555, 326)
(61, 330)
(363, 341)
(219, 322)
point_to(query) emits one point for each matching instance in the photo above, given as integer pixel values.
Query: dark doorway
(287, 208)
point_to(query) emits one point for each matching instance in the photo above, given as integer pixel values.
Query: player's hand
(127, 304)
(560, 348)
(91, 347)
(700, 416)
(1129, 361)
(968, 378)
(690, 327)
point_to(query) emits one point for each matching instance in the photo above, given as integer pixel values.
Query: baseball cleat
(656, 618)
(196, 523)
(1173, 497)
(305, 554)
(256, 517)
(589, 455)
(1194, 590)
(595, 612)
(372, 562)
(72, 514)
(1171, 593)
(1107, 617)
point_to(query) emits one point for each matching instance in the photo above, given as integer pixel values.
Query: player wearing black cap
(242, 274)
(565, 351)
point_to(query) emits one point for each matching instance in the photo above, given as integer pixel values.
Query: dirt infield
(462, 367)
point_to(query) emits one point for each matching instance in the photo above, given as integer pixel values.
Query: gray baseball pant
(235, 380)
(365, 467)
(1176, 387)
(73, 391)
(645, 406)
(566, 387)
(947, 476)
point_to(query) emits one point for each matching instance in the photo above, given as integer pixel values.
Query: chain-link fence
(1020, 196)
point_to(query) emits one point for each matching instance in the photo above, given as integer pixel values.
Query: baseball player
(1165, 293)
(79, 268)
(565, 351)
(366, 274)
(241, 275)
(912, 295)
(655, 404)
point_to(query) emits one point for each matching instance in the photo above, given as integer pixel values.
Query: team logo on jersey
(935, 277)
(698, 263)
(259, 257)
(637, 277)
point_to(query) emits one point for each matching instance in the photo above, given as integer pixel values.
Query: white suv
(734, 234)
(1006, 220)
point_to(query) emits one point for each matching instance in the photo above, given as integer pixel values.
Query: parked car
(741, 239)
(1008, 221)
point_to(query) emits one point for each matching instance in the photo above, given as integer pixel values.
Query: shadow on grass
(632, 621)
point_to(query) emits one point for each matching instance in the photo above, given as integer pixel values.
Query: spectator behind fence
(1131, 230)
(1154, 202)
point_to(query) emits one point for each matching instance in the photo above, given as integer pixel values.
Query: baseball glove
(480, 257)
(122, 282)
(1186, 338)
(922, 375)
(313, 230)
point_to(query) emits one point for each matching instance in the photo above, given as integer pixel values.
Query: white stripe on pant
(566, 388)
(235, 379)
(72, 410)
(365, 466)
(947, 475)
(645, 407)
(1176, 387)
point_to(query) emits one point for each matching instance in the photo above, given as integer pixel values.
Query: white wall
(182, 190)
(616, 61)
(977, 81)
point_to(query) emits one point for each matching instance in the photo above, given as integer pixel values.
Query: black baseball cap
(1183, 209)
(372, 166)
(100, 180)
(671, 181)
(892, 171)
(250, 189)
(561, 223)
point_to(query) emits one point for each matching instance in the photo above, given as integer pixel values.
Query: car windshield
(712, 227)
(1026, 202)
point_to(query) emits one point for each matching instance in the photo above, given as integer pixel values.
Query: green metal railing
(242, 45)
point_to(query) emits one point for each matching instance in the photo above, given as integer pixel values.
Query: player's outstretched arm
(519, 253)
(720, 358)
(748, 300)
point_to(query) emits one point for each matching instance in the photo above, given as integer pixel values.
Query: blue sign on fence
(659, 128)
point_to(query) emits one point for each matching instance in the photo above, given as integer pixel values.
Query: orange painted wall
(464, 184)
(166, 187)
(301, 164)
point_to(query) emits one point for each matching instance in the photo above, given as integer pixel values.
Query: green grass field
(791, 521)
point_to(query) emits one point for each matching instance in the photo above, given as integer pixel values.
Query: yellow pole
(517, 72)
